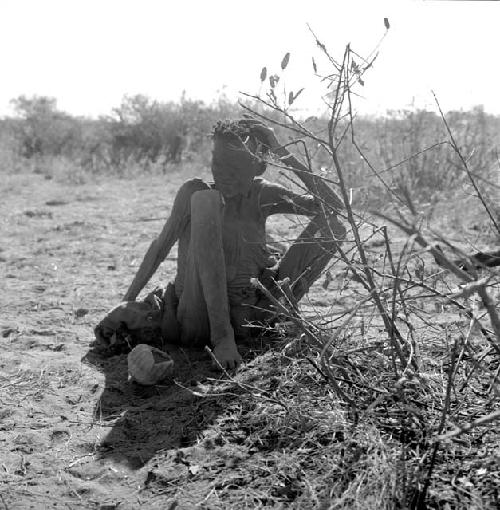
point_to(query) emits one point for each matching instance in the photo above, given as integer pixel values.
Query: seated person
(221, 231)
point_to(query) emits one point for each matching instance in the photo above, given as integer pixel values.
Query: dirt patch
(74, 433)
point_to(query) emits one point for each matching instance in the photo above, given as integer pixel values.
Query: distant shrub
(403, 147)
(408, 150)
(147, 130)
(139, 131)
(43, 129)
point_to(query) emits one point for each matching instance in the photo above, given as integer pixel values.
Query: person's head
(236, 158)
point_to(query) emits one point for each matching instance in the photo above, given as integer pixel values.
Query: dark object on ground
(479, 260)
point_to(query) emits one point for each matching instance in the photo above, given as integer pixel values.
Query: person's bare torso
(244, 243)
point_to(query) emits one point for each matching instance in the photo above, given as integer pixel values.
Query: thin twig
(466, 166)
(444, 413)
(484, 420)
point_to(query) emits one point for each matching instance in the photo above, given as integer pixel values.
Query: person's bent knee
(205, 202)
(333, 229)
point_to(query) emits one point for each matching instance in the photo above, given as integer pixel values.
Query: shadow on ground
(145, 421)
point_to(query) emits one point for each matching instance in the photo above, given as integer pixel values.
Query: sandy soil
(73, 432)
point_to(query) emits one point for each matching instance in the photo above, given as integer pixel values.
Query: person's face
(232, 181)
(235, 169)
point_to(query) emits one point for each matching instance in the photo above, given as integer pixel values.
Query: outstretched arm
(321, 194)
(161, 246)
(316, 186)
(276, 199)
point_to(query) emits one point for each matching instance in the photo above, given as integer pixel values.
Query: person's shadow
(146, 419)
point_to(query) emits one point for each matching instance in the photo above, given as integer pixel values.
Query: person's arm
(325, 202)
(316, 186)
(161, 246)
(322, 203)
(276, 199)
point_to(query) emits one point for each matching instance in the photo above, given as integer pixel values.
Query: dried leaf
(315, 67)
(361, 82)
(285, 61)
(386, 23)
(273, 80)
(321, 45)
(263, 74)
(290, 98)
(298, 93)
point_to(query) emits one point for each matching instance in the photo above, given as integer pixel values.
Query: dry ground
(75, 434)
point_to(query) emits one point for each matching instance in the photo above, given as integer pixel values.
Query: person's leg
(203, 312)
(192, 313)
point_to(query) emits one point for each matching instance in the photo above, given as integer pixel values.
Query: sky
(88, 54)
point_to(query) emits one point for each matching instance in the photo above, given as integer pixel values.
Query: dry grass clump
(296, 443)
(298, 446)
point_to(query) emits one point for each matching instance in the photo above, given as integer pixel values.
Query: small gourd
(144, 369)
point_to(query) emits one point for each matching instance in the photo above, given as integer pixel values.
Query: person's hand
(263, 133)
(227, 355)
